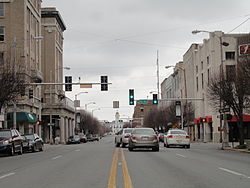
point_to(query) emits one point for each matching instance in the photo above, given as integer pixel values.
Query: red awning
(209, 119)
(246, 118)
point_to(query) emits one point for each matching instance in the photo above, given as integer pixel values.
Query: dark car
(75, 139)
(10, 142)
(32, 142)
(83, 137)
(90, 138)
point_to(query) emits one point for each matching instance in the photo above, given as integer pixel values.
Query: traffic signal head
(68, 79)
(30, 93)
(131, 97)
(104, 83)
(155, 99)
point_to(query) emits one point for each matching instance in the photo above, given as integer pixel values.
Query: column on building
(62, 130)
(73, 126)
(70, 127)
(66, 128)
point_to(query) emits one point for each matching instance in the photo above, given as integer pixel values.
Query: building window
(196, 69)
(1, 34)
(202, 65)
(1, 58)
(197, 83)
(208, 76)
(230, 72)
(202, 81)
(1, 9)
(208, 60)
(230, 55)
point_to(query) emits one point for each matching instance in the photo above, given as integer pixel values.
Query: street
(100, 165)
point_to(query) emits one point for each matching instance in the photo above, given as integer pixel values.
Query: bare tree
(11, 82)
(88, 123)
(233, 92)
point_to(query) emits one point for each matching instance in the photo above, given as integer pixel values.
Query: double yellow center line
(112, 176)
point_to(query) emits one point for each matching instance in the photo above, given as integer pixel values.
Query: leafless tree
(11, 82)
(88, 123)
(233, 92)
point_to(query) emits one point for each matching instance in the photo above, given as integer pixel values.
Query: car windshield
(30, 136)
(178, 132)
(144, 131)
(5, 134)
(128, 131)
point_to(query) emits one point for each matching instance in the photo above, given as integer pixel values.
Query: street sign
(244, 49)
(223, 110)
(142, 101)
(115, 104)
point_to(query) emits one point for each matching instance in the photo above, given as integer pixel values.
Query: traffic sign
(223, 110)
(143, 101)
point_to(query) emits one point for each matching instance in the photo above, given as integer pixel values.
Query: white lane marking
(56, 157)
(77, 150)
(181, 155)
(233, 172)
(6, 175)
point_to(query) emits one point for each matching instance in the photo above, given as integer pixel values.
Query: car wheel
(12, 151)
(34, 149)
(130, 148)
(155, 149)
(165, 145)
(21, 150)
(123, 145)
(41, 149)
(188, 146)
(117, 145)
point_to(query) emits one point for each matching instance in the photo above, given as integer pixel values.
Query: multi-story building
(58, 110)
(202, 62)
(143, 107)
(20, 31)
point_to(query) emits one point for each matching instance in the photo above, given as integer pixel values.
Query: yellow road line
(112, 176)
(126, 176)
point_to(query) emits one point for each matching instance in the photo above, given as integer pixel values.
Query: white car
(177, 137)
(122, 137)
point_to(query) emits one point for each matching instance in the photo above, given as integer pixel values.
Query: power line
(239, 25)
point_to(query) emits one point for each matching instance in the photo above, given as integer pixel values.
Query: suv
(11, 142)
(122, 137)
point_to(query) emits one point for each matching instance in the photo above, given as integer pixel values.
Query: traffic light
(155, 99)
(68, 79)
(30, 93)
(104, 83)
(131, 97)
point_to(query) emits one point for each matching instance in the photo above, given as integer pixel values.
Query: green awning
(23, 117)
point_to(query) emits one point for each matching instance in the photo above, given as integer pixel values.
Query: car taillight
(187, 136)
(170, 136)
(126, 136)
(155, 137)
(133, 137)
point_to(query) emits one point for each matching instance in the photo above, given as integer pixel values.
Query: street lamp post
(86, 105)
(225, 128)
(80, 94)
(50, 116)
(95, 110)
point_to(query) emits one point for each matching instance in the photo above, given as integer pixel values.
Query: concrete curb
(238, 150)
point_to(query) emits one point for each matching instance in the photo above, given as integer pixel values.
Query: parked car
(161, 137)
(83, 137)
(90, 138)
(177, 137)
(96, 137)
(143, 138)
(11, 142)
(122, 137)
(32, 142)
(75, 139)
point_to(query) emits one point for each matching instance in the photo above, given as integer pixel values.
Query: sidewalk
(238, 150)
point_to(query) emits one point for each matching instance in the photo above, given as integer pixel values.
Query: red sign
(244, 49)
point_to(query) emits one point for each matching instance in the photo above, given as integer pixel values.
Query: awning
(209, 119)
(22, 117)
(246, 118)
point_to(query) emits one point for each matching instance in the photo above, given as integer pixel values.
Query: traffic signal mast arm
(77, 83)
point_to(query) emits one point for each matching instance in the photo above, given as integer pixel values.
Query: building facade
(20, 31)
(58, 110)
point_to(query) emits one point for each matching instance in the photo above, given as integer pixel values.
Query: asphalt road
(101, 165)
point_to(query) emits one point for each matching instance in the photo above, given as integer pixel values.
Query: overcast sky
(120, 38)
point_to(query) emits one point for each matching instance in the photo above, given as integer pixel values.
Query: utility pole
(158, 77)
